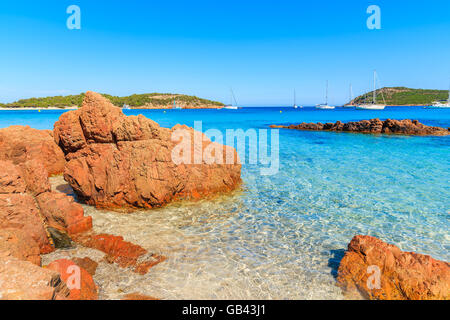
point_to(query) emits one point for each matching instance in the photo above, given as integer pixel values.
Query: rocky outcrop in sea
(402, 127)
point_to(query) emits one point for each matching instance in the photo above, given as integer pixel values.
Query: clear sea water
(282, 236)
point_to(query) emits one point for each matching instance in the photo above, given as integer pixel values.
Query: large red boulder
(20, 144)
(77, 279)
(378, 270)
(23, 280)
(116, 161)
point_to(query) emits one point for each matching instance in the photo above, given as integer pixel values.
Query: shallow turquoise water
(283, 236)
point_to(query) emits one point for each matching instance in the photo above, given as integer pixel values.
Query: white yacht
(325, 106)
(373, 105)
(233, 99)
(441, 105)
(295, 102)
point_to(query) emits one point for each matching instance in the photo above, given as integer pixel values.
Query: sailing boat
(325, 106)
(295, 104)
(440, 105)
(175, 104)
(350, 104)
(231, 106)
(373, 105)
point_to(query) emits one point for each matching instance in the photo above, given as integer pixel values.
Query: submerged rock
(115, 161)
(403, 127)
(138, 296)
(124, 253)
(378, 270)
(87, 264)
(20, 144)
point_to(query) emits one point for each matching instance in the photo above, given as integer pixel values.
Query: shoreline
(32, 109)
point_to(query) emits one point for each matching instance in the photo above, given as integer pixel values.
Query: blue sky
(263, 49)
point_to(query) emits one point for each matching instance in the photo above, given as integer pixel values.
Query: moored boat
(441, 104)
(325, 106)
(373, 105)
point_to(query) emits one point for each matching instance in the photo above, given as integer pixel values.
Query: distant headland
(134, 101)
(402, 96)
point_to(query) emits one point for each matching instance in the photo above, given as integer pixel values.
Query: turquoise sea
(282, 236)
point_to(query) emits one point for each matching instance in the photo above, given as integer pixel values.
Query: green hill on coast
(402, 96)
(148, 100)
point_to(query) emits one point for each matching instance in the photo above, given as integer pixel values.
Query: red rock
(20, 245)
(403, 127)
(23, 280)
(124, 253)
(78, 280)
(87, 264)
(26, 204)
(29, 176)
(144, 267)
(402, 276)
(20, 211)
(35, 176)
(138, 296)
(11, 180)
(20, 144)
(63, 213)
(117, 162)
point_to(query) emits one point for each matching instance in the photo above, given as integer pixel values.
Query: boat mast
(326, 96)
(374, 87)
(295, 98)
(351, 94)
(233, 98)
